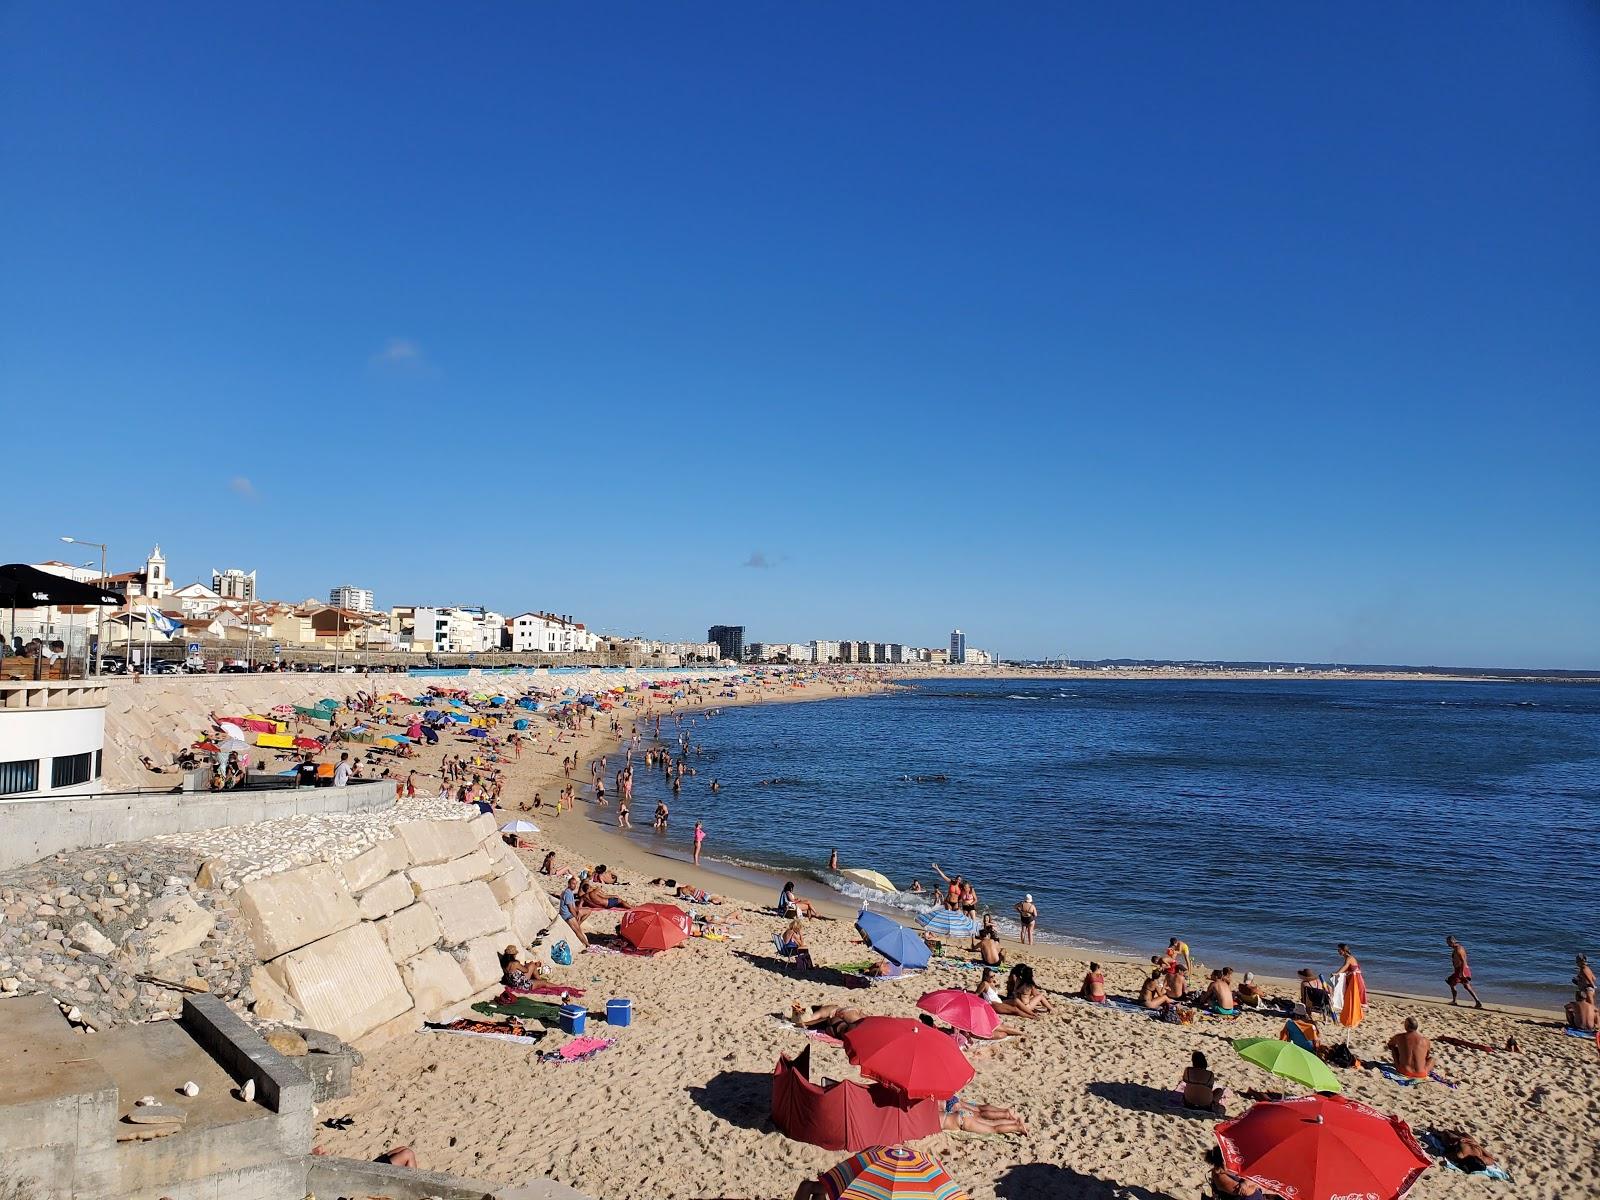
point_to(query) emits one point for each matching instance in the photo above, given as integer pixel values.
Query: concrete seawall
(34, 829)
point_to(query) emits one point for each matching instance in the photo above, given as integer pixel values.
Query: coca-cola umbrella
(909, 1056)
(646, 929)
(1320, 1147)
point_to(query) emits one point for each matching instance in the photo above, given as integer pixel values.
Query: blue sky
(1246, 332)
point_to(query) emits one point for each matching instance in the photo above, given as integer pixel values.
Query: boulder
(476, 865)
(345, 983)
(435, 980)
(272, 1003)
(296, 908)
(286, 1042)
(409, 932)
(483, 828)
(177, 924)
(480, 961)
(465, 911)
(375, 865)
(381, 899)
(428, 842)
(90, 940)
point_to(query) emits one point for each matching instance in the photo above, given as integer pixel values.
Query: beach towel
(546, 989)
(1394, 1075)
(526, 1039)
(816, 1035)
(1434, 1146)
(1581, 1033)
(1114, 1004)
(528, 1010)
(579, 1049)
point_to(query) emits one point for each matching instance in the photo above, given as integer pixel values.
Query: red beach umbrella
(672, 913)
(306, 743)
(961, 1010)
(910, 1056)
(1320, 1147)
(646, 929)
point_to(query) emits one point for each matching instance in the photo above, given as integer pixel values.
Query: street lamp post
(99, 612)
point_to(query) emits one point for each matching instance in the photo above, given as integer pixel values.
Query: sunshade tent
(891, 1171)
(1319, 1147)
(845, 1115)
(22, 586)
(963, 1010)
(869, 879)
(646, 929)
(893, 940)
(1289, 1061)
(910, 1057)
(947, 922)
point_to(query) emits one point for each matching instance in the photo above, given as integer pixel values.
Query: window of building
(19, 776)
(97, 756)
(69, 769)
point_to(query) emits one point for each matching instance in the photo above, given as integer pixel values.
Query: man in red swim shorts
(1460, 972)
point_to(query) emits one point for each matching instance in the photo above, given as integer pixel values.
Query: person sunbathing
(596, 897)
(1199, 1087)
(1581, 1013)
(601, 875)
(548, 866)
(1153, 993)
(1226, 1184)
(686, 891)
(788, 901)
(792, 944)
(1024, 997)
(1250, 994)
(966, 1117)
(1093, 988)
(1463, 1150)
(834, 1019)
(1411, 1053)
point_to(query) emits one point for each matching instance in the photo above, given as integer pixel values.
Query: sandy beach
(678, 1106)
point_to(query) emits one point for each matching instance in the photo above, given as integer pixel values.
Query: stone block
(90, 940)
(381, 899)
(345, 983)
(272, 1003)
(409, 932)
(177, 924)
(465, 911)
(510, 885)
(435, 980)
(296, 908)
(374, 865)
(477, 865)
(529, 915)
(396, 1027)
(503, 856)
(429, 842)
(483, 828)
(480, 960)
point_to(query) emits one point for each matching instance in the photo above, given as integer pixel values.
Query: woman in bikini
(1094, 985)
(1226, 1184)
(833, 1019)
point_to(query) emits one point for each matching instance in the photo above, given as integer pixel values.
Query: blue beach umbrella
(947, 923)
(892, 940)
(477, 733)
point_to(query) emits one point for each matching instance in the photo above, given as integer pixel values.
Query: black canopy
(22, 586)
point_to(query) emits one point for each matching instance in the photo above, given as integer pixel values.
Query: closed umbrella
(909, 1056)
(891, 1173)
(892, 940)
(1290, 1061)
(946, 922)
(646, 929)
(962, 1010)
(1321, 1147)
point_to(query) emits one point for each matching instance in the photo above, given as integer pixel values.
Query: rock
(287, 1042)
(211, 873)
(86, 937)
(197, 984)
(45, 910)
(272, 1003)
(160, 1114)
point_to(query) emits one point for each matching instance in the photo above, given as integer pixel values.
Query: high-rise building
(729, 639)
(958, 646)
(234, 584)
(354, 598)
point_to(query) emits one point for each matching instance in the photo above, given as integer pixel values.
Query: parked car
(234, 669)
(163, 666)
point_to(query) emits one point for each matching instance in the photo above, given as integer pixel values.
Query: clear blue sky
(1253, 331)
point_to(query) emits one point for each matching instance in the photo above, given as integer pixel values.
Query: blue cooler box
(574, 1017)
(619, 1012)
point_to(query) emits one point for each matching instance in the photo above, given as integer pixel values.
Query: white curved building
(52, 738)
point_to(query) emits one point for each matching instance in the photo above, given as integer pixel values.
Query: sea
(1263, 821)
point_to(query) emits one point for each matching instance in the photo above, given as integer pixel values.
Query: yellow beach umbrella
(869, 879)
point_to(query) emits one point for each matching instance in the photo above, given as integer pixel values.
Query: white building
(356, 599)
(544, 633)
(153, 581)
(51, 738)
(233, 584)
(196, 599)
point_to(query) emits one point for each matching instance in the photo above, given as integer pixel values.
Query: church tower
(156, 583)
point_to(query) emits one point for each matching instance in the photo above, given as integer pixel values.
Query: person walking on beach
(699, 839)
(1027, 914)
(1460, 972)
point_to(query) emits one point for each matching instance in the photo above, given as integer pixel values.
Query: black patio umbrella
(22, 586)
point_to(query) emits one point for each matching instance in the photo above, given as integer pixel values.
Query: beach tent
(845, 1115)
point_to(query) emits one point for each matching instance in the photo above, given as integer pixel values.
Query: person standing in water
(699, 839)
(1027, 914)
(833, 860)
(1460, 971)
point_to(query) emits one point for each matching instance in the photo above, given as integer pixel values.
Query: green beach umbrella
(1290, 1061)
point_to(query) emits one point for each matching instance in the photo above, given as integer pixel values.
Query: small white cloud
(240, 486)
(399, 354)
(759, 561)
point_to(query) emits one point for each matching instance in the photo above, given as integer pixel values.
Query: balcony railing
(39, 694)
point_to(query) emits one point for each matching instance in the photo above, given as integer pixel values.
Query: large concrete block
(381, 899)
(529, 915)
(407, 1022)
(477, 865)
(480, 960)
(435, 980)
(409, 932)
(465, 911)
(483, 827)
(376, 864)
(510, 885)
(177, 924)
(503, 856)
(296, 908)
(345, 984)
(429, 842)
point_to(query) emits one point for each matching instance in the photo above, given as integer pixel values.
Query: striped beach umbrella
(891, 1171)
(947, 922)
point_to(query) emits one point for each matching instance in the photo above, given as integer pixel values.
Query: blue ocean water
(1263, 821)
